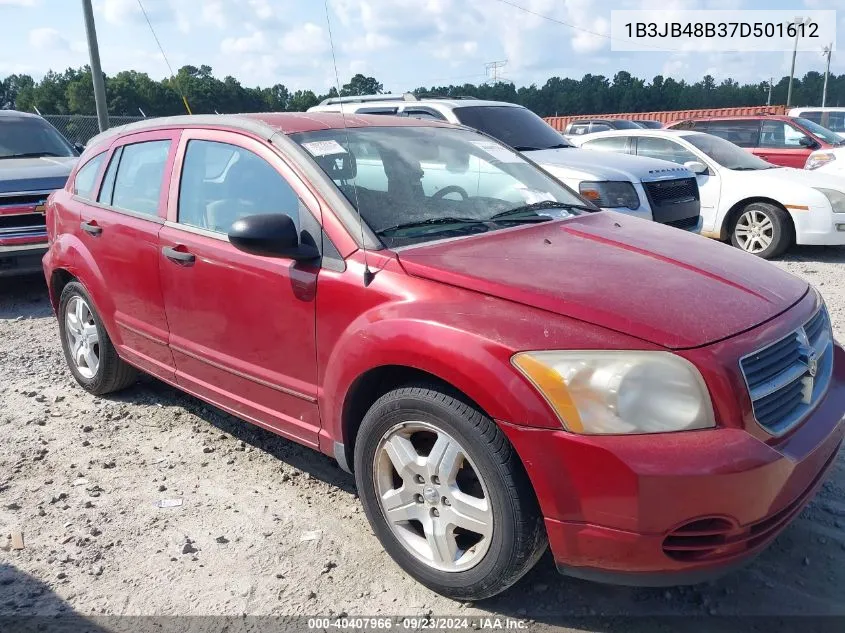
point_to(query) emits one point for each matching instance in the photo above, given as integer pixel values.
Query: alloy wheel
(82, 337)
(432, 496)
(754, 231)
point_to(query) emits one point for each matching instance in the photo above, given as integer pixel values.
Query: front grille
(786, 378)
(684, 223)
(671, 191)
(21, 219)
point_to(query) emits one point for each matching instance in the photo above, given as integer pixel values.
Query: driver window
(779, 134)
(222, 182)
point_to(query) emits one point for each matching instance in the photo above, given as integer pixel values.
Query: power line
(581, 28)
(166, 61)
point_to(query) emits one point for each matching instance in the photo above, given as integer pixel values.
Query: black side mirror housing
(270, 235)
(79, 147)
(806, 141)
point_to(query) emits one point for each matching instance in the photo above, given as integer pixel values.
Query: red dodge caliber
(501, 366)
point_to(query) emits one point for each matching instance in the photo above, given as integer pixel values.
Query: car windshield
(828, 136)
(31, 137)
(417, 184)
(726, 153)
(518, 127)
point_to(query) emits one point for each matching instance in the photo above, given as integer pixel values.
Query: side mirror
(270, 235)
(697, 167)
(79, 147)
(806, 141)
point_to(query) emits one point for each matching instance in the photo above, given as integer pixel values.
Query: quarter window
(139, 177)
(663, 149)
(213, 200)
(86, 177)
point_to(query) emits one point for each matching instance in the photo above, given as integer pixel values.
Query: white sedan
(761, 208)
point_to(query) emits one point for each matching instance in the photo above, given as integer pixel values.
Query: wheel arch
(733, 213)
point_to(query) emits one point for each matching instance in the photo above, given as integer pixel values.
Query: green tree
(361, 85)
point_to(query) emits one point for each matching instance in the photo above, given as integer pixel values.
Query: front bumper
(818, 227)
(21, 259)
(679, 508)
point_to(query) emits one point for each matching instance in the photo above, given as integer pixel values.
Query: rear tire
(89, 352)
(464, 520)
(763, 229)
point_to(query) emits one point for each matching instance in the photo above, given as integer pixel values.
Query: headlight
(817, 159)
(836, 199)
(620, 392)
(610, 195)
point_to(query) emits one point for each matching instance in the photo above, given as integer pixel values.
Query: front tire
(446, 494)
(763, 229)
(89, 352)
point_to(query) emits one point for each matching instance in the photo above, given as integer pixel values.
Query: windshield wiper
(538, 206)
(430, 222)
(30, 155)
(528, 148)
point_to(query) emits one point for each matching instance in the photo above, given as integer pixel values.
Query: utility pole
(798, 21)
(492, 69)
(769, 99)
(96, 71)
(826, 52)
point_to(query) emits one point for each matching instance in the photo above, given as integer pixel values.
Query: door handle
(180, 257)
(91, 227)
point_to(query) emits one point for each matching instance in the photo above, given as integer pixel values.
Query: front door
(120, 229)
(781, 144)
(242, 328)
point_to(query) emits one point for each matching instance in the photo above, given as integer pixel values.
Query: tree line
(130, 93)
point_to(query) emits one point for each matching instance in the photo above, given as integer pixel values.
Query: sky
(405, 44)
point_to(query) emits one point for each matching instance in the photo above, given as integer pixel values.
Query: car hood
(656, 283)
(34, 174)
(803, 177)
(609, 165)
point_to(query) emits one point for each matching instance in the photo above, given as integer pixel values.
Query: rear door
(780, 143)
(120, 230)
(242, 326)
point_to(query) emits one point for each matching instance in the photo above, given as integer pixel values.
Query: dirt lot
(269, 528)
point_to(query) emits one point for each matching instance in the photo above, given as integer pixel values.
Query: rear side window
(86, 177)
(140, 172)
(247, 185)
(611, 144)
(428, 115)
(813, 115)
(599, 127)
(742, 133)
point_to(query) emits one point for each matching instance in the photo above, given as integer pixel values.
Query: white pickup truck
(647, 188)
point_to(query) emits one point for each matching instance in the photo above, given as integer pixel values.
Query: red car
(782, 140)
(500, 364)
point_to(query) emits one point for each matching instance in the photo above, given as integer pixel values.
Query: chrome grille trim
(788, 377)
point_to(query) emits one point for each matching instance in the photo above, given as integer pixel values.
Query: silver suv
(647, 188)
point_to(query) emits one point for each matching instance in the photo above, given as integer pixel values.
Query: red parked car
(463, 332)
(782, 140)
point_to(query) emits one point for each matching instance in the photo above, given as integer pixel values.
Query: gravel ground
(266, 527)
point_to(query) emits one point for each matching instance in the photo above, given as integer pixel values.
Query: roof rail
(365, 98)
(455, 98)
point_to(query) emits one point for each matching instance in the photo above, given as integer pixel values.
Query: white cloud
(253, 43)
(262, 8)
(46, 38)
(308, 39)
(214, 14)
(18, 3)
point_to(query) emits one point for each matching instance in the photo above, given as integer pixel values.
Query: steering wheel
(442, 193)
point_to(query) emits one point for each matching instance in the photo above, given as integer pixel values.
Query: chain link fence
(81, 128)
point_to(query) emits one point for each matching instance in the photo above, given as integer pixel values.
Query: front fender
(477, 366)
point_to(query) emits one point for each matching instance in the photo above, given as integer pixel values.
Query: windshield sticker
(497, 151)
(324, 148)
